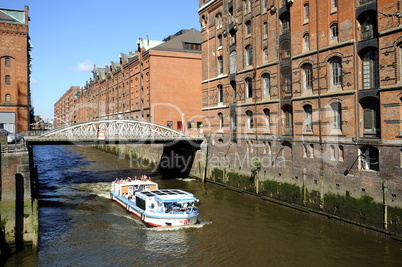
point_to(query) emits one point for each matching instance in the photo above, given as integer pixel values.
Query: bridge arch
(113, 130)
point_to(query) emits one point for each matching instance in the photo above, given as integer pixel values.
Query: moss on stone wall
(241, 181)
(282, 191)
(217, 175)
(314, 200)
(395, 220)
(363, 210)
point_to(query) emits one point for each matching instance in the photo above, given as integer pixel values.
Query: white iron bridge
(111, 131)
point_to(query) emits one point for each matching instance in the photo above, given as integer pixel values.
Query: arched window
(285, 49)
(248, 27)
(334, 31)
(7, 62)
(306, 10)
(220, 93)
(267, 84)
(249, 55)
(8, 98)
(7, 79)
(232, 36)
(287, 151)
(250, 119)
(265, 55)
(220, 117)
(218, 21)
(265, 29)
(220, 41)
(308, 112)
(368, 25)
(306, 42)
(307, 76)
(249, 87)
(336, 71)
(267, 114)
(285, 21)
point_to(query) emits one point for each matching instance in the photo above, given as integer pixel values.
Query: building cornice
(206, 5)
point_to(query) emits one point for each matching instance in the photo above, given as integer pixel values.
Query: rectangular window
(370, 70)
(179, 125)
(199, 125)
(306, 41)
(341, 153)
(192, 46)
(336, 74)
(334, 4)
(332, 152)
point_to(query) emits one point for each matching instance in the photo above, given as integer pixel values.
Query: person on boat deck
(169, 207)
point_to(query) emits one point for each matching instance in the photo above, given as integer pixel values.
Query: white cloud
(86, 66)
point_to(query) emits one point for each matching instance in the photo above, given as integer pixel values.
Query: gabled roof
(12, 16)
(114, 66)
(176, 42)
(99, 72)
(125, 57)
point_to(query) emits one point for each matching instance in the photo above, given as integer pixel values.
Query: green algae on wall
(282, 191)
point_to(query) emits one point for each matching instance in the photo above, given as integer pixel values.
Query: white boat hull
(156, 219)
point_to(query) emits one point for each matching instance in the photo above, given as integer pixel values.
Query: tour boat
(164, 207)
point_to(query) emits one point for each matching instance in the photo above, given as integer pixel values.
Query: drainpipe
(255, 95)
(385, 204)
(319, 112)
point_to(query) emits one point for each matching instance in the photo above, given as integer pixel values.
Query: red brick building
(15, 105)
(159, 83)
(64, 108)
(311, 87)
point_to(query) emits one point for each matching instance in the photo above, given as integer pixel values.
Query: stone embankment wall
(286, 185)
(18, 208)
(365, 200)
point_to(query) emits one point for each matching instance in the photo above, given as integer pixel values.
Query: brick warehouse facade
(64, 107)
(305, 98)
(15, 105)
(159, 83)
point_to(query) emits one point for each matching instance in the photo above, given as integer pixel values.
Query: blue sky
(69, 37)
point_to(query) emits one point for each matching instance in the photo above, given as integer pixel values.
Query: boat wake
(99, 189)
(199, 224)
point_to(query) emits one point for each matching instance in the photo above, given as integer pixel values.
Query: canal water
(81, 226)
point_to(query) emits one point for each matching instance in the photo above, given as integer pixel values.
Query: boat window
(140, 203)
